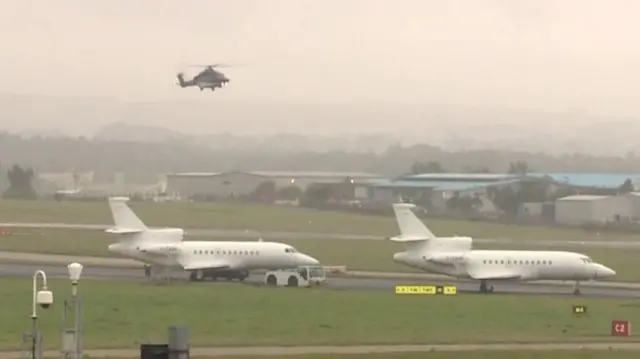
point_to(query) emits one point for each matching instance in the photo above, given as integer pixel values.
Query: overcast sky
(536, 54)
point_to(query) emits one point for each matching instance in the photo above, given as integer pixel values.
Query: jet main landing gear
(576, 288)
(484, 288)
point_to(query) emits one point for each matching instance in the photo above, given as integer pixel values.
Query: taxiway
(334, 283)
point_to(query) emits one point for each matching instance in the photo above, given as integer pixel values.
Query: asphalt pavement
(333, 283)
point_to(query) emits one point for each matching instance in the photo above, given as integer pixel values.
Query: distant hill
(120, 131)
(348, 126)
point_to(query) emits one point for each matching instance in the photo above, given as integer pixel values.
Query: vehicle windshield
(316, 272)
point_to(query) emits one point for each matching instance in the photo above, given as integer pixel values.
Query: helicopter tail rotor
(181, 81)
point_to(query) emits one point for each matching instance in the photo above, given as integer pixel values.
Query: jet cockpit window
(290, 250)
(586, 260)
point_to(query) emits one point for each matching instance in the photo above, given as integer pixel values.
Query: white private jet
(453, 256)
(164, 249)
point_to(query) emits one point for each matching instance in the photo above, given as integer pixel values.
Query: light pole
(43, 298)
(72, 336)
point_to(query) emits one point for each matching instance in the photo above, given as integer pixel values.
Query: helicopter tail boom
(182, 82)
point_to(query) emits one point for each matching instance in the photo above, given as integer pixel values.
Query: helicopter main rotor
(211, 66)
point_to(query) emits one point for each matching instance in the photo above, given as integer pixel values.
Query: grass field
(273, 218)
(543, 354)
(355, 254)
(126, 314)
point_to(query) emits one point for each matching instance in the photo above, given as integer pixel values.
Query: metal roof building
(593, 180)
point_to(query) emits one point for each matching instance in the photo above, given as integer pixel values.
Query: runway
(276, 235)
(333, 283)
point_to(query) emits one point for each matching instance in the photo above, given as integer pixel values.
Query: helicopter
(207, 78)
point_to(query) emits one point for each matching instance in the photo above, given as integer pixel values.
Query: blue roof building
(594, 180)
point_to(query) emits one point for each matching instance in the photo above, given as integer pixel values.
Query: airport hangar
(239, 183)
(571, 210)
(377, 188)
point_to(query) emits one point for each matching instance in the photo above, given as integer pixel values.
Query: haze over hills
(317, 126)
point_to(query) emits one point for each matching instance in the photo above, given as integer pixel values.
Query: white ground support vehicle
(304, 276)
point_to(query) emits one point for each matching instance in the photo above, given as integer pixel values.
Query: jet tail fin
(125, 221)
(411, 227)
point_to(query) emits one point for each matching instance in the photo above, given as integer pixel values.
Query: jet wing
(483, 274)
(203, 266)
(209, 263)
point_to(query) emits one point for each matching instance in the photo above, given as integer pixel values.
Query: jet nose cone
(608, 272)
(604, 271)
(308, 260)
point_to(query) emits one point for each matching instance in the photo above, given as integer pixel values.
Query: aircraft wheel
(483, 287)
(271, 280)
(199, 275)
(292, 281)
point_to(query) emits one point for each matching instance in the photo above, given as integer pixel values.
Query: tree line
(146, 160)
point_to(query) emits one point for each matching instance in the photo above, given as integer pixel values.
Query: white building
(634, 204)
(583, 209)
